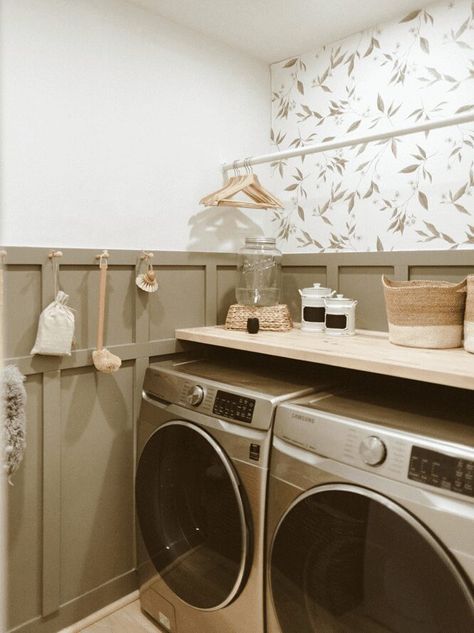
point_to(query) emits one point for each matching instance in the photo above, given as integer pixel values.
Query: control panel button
(373, 451)
(195, 395)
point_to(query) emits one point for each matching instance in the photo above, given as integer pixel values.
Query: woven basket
(276, 318)
(425, 313)
(469, 316)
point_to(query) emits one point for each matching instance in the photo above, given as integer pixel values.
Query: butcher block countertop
(366, 351)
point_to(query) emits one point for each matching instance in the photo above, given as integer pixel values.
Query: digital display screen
(229, 405)
(442, 471)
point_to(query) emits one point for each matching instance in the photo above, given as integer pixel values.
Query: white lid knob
(316, 285)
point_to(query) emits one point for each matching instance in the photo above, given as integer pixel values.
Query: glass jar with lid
(259, 269)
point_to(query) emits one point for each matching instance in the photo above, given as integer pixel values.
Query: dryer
(371, 512)
(204, 440)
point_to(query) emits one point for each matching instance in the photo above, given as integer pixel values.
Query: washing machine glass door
(192, 515)
(345, 559)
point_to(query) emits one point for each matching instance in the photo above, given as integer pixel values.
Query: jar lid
(340, 300)
(317, 291)
(261, 239)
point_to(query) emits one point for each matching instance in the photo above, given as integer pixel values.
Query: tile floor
(128, 619)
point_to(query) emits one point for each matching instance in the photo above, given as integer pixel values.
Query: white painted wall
(115, 122)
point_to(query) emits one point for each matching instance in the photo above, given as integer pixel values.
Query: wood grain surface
(366, 351)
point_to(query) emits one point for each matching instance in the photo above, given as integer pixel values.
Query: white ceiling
(273, 30)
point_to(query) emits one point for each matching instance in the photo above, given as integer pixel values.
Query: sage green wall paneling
(96, 478)
(120, 304)
(22, 308)
(89, 417)
(364, 283)
(51, 492)
(81, 283)
(226, 282)
(179, 301)
(441, 273)
(296, 277)
(25, 517)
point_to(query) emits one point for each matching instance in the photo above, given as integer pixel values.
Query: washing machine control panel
(442, 471)
(233, 406)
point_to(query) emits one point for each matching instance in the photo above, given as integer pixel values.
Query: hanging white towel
(55, 328)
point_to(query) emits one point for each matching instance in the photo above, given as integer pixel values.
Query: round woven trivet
(276, 318)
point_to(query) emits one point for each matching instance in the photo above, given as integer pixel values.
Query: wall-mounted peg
(3, 255)
(53, 254)
(146, 255)
(103, 259)
(103, 255)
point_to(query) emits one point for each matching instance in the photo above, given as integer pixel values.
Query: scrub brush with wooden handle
(103, 360)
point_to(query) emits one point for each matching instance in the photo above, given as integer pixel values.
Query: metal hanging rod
(347, 142)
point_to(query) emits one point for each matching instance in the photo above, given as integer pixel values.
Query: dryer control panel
(441, 471)
(394, 453)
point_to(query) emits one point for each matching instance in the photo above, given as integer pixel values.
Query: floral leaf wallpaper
(408, 193)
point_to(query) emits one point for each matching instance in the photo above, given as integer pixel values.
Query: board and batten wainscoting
(71, 509)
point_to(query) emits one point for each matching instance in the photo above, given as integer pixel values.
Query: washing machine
(204, 441)
(371, 511)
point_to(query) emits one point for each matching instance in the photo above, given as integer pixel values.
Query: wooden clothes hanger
(233, 185)
(230, 182)
(248, 184)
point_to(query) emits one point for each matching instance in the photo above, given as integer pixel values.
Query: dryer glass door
(192, 515)
(347, 560)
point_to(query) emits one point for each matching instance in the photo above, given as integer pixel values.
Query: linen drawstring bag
(55, 328)
(469, 316)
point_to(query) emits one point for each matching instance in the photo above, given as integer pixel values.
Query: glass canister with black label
(259, 269)
(340, 315)
(313, 309)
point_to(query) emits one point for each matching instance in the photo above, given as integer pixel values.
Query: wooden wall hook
(53, 254)
(146, 255)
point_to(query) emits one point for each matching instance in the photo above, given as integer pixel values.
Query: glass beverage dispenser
(259, 269)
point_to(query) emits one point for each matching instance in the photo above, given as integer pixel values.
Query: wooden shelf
(366, 351)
